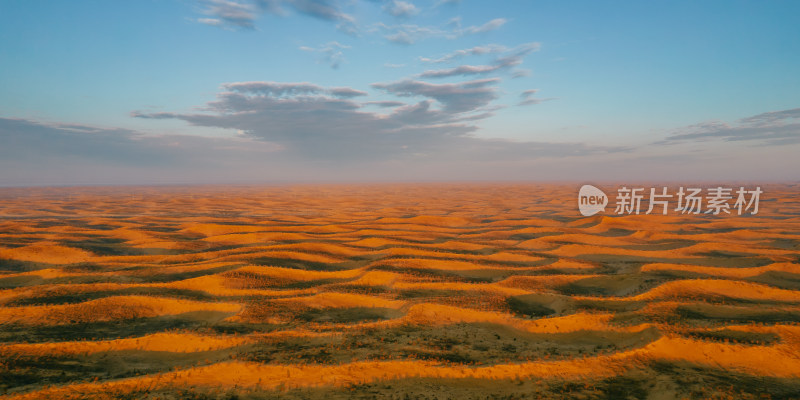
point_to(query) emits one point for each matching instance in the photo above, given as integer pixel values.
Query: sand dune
(168, 342)
(756, 359)
(48, 253)
(725, 272)
(387, 290)
(107, 309)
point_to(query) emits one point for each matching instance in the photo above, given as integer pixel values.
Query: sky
(264, 91)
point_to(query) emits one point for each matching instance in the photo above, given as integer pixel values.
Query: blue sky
(184, 91)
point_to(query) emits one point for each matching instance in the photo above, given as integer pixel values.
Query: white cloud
(400, 9)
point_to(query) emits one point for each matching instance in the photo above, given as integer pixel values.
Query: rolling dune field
(420, 291)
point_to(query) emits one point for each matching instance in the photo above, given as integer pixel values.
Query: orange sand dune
(534, 222)
(583, 238)
(146, 259)
(376, 278)
(45, 273)
(48, 253)
(574, 250)
(240, 254)
(718, 287)
(759, 360)
(725, 272)
(343, 300)
(393, 233)
(779, 360)
(59, 289)
(693, 251)
(327, 227)
(564, 264)
(376, 242)
(408, 229)
(220, 229)
(107, 309)
(295, 255)
(219, 286)
(51, 273)
(437, 314)
(431, 220)
(237, 254)
(298, 274)
(541, 282)
(455, 245)
(170, 342)
(750, 248)
(271, 377)
(13, 228)
(446, 265)
(132, 236)
(502, 256)
(739, 236)
(789, 334)
(170, 268)
(654, 223)
(257, 237)
(320, 247)
(510, 257)
(459, 286)
(536, 244)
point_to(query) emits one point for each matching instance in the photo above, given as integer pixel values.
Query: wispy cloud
(242, 14)
(528, 99)
(771, 128)
(331, 53)
(461, 70)
(327, 10)
(230, 14)
(509, 58)
(474, 51)
(400, 9)
(487, 27)
(772, 118)
(409, 33)
(280, 89)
